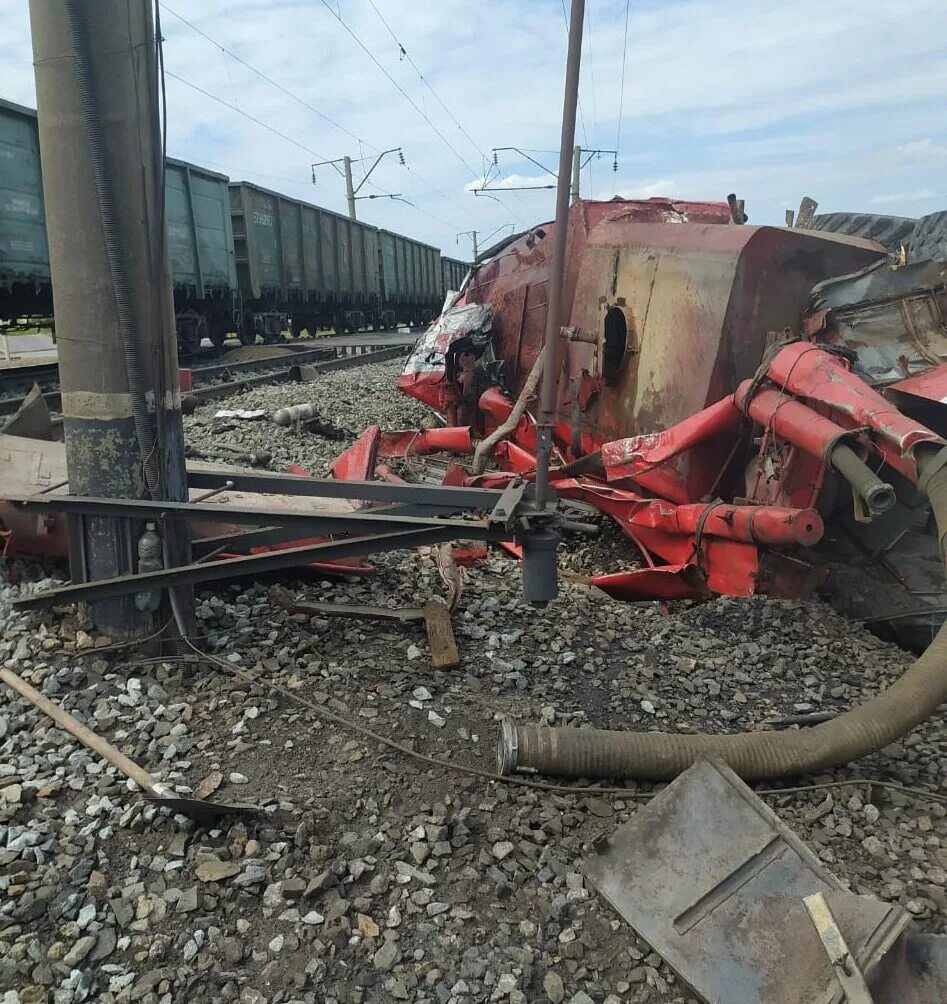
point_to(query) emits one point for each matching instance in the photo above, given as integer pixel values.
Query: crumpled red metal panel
(931, 384)
(810, 372)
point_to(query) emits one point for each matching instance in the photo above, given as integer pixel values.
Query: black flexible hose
(114, 251)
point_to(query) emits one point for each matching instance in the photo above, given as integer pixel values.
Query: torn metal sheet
(714, 881)
(892, 318)
(913, 972)
(31, 420)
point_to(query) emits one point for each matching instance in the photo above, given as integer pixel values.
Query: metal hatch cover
(714, 881)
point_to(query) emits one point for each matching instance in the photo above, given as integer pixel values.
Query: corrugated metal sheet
(410, 270)
(929, 239)
(200, 242)
(452, 273)
(888, 231)
(290, 250)
(24, 254)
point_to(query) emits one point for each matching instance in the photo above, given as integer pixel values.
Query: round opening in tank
(616, 342)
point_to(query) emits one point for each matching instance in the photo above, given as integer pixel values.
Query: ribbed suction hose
(657, 756)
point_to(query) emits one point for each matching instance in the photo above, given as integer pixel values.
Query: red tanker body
(715, 394)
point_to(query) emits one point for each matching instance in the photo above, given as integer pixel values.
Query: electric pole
(472, 234)
(552, 338)
(351, 189)
(97, 83)
(576, 171)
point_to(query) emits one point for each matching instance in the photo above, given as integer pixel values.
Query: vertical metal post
(473, 236)
(576, 171)
(552, 340)
(349, 190)
(97, 96)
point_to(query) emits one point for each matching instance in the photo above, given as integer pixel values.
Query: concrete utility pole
(97, 103)
(349, 190)
(552, 339)
(472, 234)
(576, 171)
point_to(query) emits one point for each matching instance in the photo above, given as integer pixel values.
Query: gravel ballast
(368, 876)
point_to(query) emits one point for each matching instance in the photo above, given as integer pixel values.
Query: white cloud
(920, 151)
(923, 195)
(717, 98)
(652, 190)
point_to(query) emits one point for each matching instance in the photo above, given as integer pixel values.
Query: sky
(840, 101)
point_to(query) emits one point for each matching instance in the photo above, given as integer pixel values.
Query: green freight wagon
(453, 273)
(24, 255)
(301, 266)
(200, 247)
(200, 244)
(411, 279)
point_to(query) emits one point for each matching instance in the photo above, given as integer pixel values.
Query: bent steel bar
(256, 564)
(367, 491)
(313, 522)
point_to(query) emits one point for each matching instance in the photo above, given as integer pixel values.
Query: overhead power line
(450, 146)
(621, 91)
(269, 80)
(406, 55)
(246, 115)
(285, 90)
(585, 135)
(591, 66)
(417, 69)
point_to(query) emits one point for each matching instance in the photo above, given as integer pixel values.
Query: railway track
(213, 377)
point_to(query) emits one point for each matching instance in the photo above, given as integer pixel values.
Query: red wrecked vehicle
(746, 402)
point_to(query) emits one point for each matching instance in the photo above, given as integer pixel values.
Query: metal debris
(714, 881)
(196, 808)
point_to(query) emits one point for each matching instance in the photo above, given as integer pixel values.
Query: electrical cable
(246, 115)
(621, 90)
(408, 98)
(231, 668)
(406, 55)
(234, 107)
(425, 81)
(517, 781)
(585, 135)
(269, 80)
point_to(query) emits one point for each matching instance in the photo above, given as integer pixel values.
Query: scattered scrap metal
(745, 913)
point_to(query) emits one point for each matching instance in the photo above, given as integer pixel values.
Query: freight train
(244, 259)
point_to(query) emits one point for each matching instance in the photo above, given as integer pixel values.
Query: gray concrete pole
(349, 190)
(111, 281)
(473, 234)
(552, 340)
(576, 171)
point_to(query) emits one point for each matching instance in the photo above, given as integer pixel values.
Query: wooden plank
(440, 635)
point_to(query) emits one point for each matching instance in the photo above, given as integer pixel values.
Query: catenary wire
(591, 66)
(270, 80)
(621, 89)
(285, 90)
(407, 55)
(409, 99)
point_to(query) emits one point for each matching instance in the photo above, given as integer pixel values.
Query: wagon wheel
(218, 335)
(247, 332)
